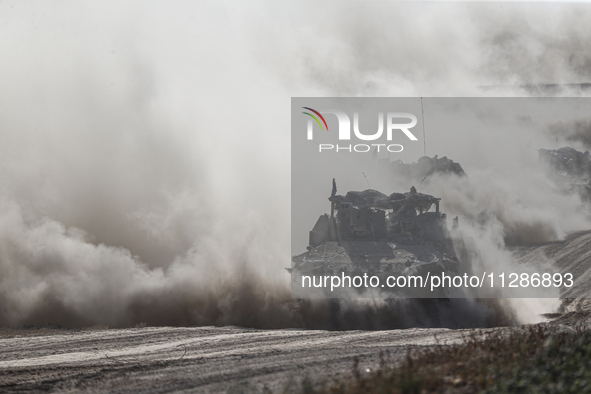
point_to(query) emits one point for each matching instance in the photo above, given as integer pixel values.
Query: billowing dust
(144, 163)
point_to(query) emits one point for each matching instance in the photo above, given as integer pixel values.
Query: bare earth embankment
(571, 255)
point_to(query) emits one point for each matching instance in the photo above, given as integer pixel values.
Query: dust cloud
(144, 147)
(574, 132)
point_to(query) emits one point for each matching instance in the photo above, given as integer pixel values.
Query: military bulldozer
(401, 235)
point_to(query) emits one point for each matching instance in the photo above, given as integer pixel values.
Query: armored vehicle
(385, 236)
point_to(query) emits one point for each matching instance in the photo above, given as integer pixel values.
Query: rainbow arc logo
(315, 118)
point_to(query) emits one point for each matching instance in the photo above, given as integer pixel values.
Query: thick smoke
(572, 133)
(144, 146)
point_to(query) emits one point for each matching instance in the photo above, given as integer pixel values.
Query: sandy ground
(233, 359)
(204, 359)
(572, 255)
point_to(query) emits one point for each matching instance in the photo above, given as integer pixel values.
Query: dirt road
(205, 359)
